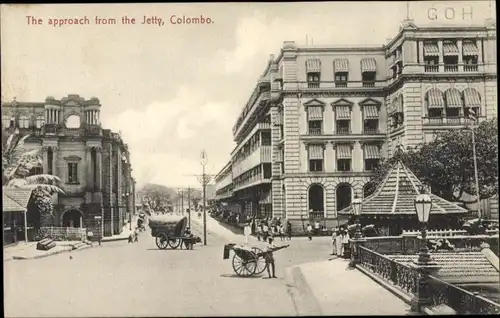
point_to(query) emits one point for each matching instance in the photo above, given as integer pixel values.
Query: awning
(15, 199)
(313, 66)
(431, 49)
(453, 98)
(368, 65)
(470, 49)
(315, 112)
(450, 49)
(370, 112)
(435, 99)
(472, 99)
(343, 112)
(341, 66)
(278, 119)
(371, 152)
(316, 151)
(344, 151)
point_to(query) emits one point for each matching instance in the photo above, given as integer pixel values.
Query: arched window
(40, 121)
(472, 101)
(73, 121)
(454, 103)
(24, 121)
(5, 121)
(316, 200)
(343, 196)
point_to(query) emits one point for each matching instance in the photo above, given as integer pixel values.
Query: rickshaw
(247, 261)
(170, 230)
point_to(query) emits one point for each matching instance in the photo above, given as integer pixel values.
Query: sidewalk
(124, 234)
(29, 251)
(330, 288)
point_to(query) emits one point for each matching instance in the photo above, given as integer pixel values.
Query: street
(121, 279)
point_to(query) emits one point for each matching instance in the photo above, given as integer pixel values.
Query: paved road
(121, 279)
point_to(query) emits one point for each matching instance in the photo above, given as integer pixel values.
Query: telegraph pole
(189, 206)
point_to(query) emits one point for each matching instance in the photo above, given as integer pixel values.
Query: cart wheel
(242, 267)
(261, 264)
(162, 241)
(174, 243)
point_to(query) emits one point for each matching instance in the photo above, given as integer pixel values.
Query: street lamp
(356, 204)
(203, 162)
(423, 205)
(472, 116)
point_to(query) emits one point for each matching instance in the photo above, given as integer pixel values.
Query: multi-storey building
(335, 112)
(93, 164)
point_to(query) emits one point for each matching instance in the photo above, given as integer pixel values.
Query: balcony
(329, 85)
(371, 131)
(251, 182)
(471, 68)
(262, 154)
(93, 130)
(431, 68)
(343, 131)
(448, 121)
(451, 67)
(51, 129)
(315, 131)
(263, 126)
(256, 102)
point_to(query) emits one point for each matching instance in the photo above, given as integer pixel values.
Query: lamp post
(203, 162)
(472, 116)
(423, 205)
(356, 203)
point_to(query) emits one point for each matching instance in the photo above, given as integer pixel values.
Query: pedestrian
(136, 235)
(270, 258)
(289, 230)
(282, 232)
(334, 241)
(345, 243)
(259, 231)
(309, 231)
(247, 231)
(265, 231)
(338, 242)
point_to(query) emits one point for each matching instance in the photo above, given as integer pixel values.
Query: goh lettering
(450, 13)
(175, 19)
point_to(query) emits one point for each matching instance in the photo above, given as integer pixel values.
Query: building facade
(93, 163)
(336, 112)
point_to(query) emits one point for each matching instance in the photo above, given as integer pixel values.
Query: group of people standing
(340, 242)
(275, 228)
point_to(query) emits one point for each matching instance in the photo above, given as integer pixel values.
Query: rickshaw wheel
(261, 264)
(174, 243)
(242, 267)
(162, 241)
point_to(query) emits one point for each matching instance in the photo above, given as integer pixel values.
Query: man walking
(309, 231)
(270, 248)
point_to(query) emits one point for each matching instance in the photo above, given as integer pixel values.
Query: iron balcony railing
(315, 131)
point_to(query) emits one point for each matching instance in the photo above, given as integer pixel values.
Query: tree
(157, 196)
(17, 163)
(446, 164)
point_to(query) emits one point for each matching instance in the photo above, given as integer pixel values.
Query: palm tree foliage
(17, 163)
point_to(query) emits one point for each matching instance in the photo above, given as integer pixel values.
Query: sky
(173, 90)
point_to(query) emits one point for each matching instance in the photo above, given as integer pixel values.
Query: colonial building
(336, 112)
(93, 163)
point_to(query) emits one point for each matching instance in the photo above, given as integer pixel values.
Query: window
(313, 80)
(476, 111)
(371, 164)
(368, 79)
(344, 155)
(341, 79)
(435, 113)
(267, 171)
(452, 112)
(72, 172)
(50, 160)
(266, 138)
(315, 165)
(398, 119)
(24, 121)
(315, 127)
(40, 121)
(370, 126)
(5, 121)
(344, 164)
(35, 171)
(315, 158)
(343, 127)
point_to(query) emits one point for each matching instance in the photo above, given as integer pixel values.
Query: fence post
(422, 298)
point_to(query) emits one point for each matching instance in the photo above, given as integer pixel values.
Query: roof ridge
(396, 194)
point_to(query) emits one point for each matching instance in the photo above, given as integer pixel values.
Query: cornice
(342, 138)
(336, 174)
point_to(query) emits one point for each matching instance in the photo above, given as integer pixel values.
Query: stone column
(441, 59)
(421, 52)
(479, 45)
(47, 116)
(88, 163)
(55, 158)
(45, 159)
(99, 168)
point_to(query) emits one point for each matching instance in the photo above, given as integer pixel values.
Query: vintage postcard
(250, 159)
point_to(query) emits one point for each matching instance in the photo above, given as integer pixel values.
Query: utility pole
(472, 115)
(189, 206)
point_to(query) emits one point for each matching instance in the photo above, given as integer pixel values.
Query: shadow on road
(169, 249)
(236, 276)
